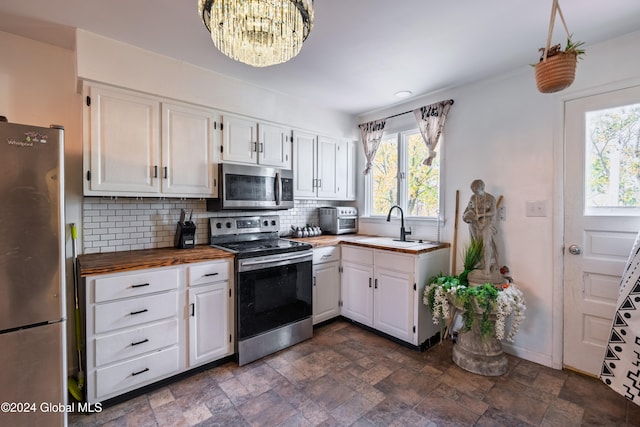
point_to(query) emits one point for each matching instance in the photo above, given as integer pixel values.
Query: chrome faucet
(403, 233)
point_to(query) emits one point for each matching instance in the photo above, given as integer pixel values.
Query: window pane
(422, 181)
(385, 176)
(612, 172)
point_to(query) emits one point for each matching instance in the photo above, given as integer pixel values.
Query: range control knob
(265, 223)
(273, 222)
(218, 225)
(228, 225)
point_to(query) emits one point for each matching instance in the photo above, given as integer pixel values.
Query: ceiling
(359, 53)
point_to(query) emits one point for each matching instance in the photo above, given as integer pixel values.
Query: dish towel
(621, 366)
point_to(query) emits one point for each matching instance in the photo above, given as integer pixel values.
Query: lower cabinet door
(122, 377)
(326, 291)
(393, 304)
(209, 324)
(357, 293)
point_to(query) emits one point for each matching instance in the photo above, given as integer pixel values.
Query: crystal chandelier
(258, 32)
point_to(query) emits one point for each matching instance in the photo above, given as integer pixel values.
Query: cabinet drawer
(359, 255)
(394, 261)
(131, 285)
(116, 347)
(208, 273)
(326, 254)
(133, 373)
(135, 311)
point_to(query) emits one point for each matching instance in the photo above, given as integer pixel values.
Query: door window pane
(385, 176)
(612, 170)
(422, 181)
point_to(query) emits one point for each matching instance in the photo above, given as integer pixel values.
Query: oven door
(273, 291)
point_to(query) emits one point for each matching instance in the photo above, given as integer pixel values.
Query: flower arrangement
(487, 299)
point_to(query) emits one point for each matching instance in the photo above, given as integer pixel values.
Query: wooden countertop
(115, 262)
(361, 240)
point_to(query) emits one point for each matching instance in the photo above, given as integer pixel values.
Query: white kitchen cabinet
(352, 165)
(323, 167)
(326, 283)
(128, 153)
(210, 312)
(148, 325)
(189, 155)
(133, 332)
(248, 141)
(384, 289)
(122, 143)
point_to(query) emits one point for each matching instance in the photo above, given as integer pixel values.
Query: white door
(274, 146)
(326, 291)
(602, 217)
(188, 151)
(304, 165)
(357, 293)
(209, 336)
(124, 143)
(393, 303)
(327, 167)
(239, 140)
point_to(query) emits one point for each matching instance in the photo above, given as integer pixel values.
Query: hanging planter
(556, 69)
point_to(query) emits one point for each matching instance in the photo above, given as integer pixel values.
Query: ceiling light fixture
(258, 32)
(403, 94)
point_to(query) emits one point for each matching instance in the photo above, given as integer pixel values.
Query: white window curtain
(431, 120)
(371, 137)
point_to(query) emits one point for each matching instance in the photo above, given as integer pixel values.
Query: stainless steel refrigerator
(32, 291)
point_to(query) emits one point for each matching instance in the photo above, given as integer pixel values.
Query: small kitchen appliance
(273, 284)
(338, 219)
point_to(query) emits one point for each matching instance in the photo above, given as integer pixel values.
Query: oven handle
(278, 189)
(269, 261)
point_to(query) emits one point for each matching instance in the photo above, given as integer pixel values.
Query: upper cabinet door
(328, 168)
(188, 151)
(304, 165)
(352, 164)
(239, 140)
(124, 143)
(274, 145)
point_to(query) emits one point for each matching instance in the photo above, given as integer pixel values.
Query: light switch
(536, 208)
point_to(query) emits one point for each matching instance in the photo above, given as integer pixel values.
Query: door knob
(575, 250)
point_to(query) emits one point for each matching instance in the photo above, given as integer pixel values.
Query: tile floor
(346, 376)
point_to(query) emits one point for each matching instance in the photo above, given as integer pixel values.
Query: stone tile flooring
(346, 376)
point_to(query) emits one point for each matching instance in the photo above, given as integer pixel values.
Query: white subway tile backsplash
(124, 224)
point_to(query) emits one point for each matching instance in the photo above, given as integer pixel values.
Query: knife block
(185, 235)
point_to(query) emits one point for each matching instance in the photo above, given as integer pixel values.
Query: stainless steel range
(273, 280)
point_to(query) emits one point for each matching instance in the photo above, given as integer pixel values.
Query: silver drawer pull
(133, 313)
(211, 274)
(140, 342)
(133, 374)
(142, 285)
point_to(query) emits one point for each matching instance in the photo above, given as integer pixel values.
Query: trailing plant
(571, 47)
(444, 291)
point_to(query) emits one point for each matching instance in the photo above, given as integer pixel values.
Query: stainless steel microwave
(252, 187)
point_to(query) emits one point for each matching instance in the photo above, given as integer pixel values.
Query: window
(398, 177)
(613, 158)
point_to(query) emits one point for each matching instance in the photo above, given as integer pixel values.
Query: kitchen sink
(390, 242)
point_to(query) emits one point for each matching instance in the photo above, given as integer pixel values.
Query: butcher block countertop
(116, 262)
(375, 242)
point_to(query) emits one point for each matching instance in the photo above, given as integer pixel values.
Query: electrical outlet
(537, 208)
(502, 213)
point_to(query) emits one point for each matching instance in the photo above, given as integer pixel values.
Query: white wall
(503, 131)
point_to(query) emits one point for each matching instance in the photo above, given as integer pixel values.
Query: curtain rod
(410, 111)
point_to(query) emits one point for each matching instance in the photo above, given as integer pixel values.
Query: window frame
(402, 186)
